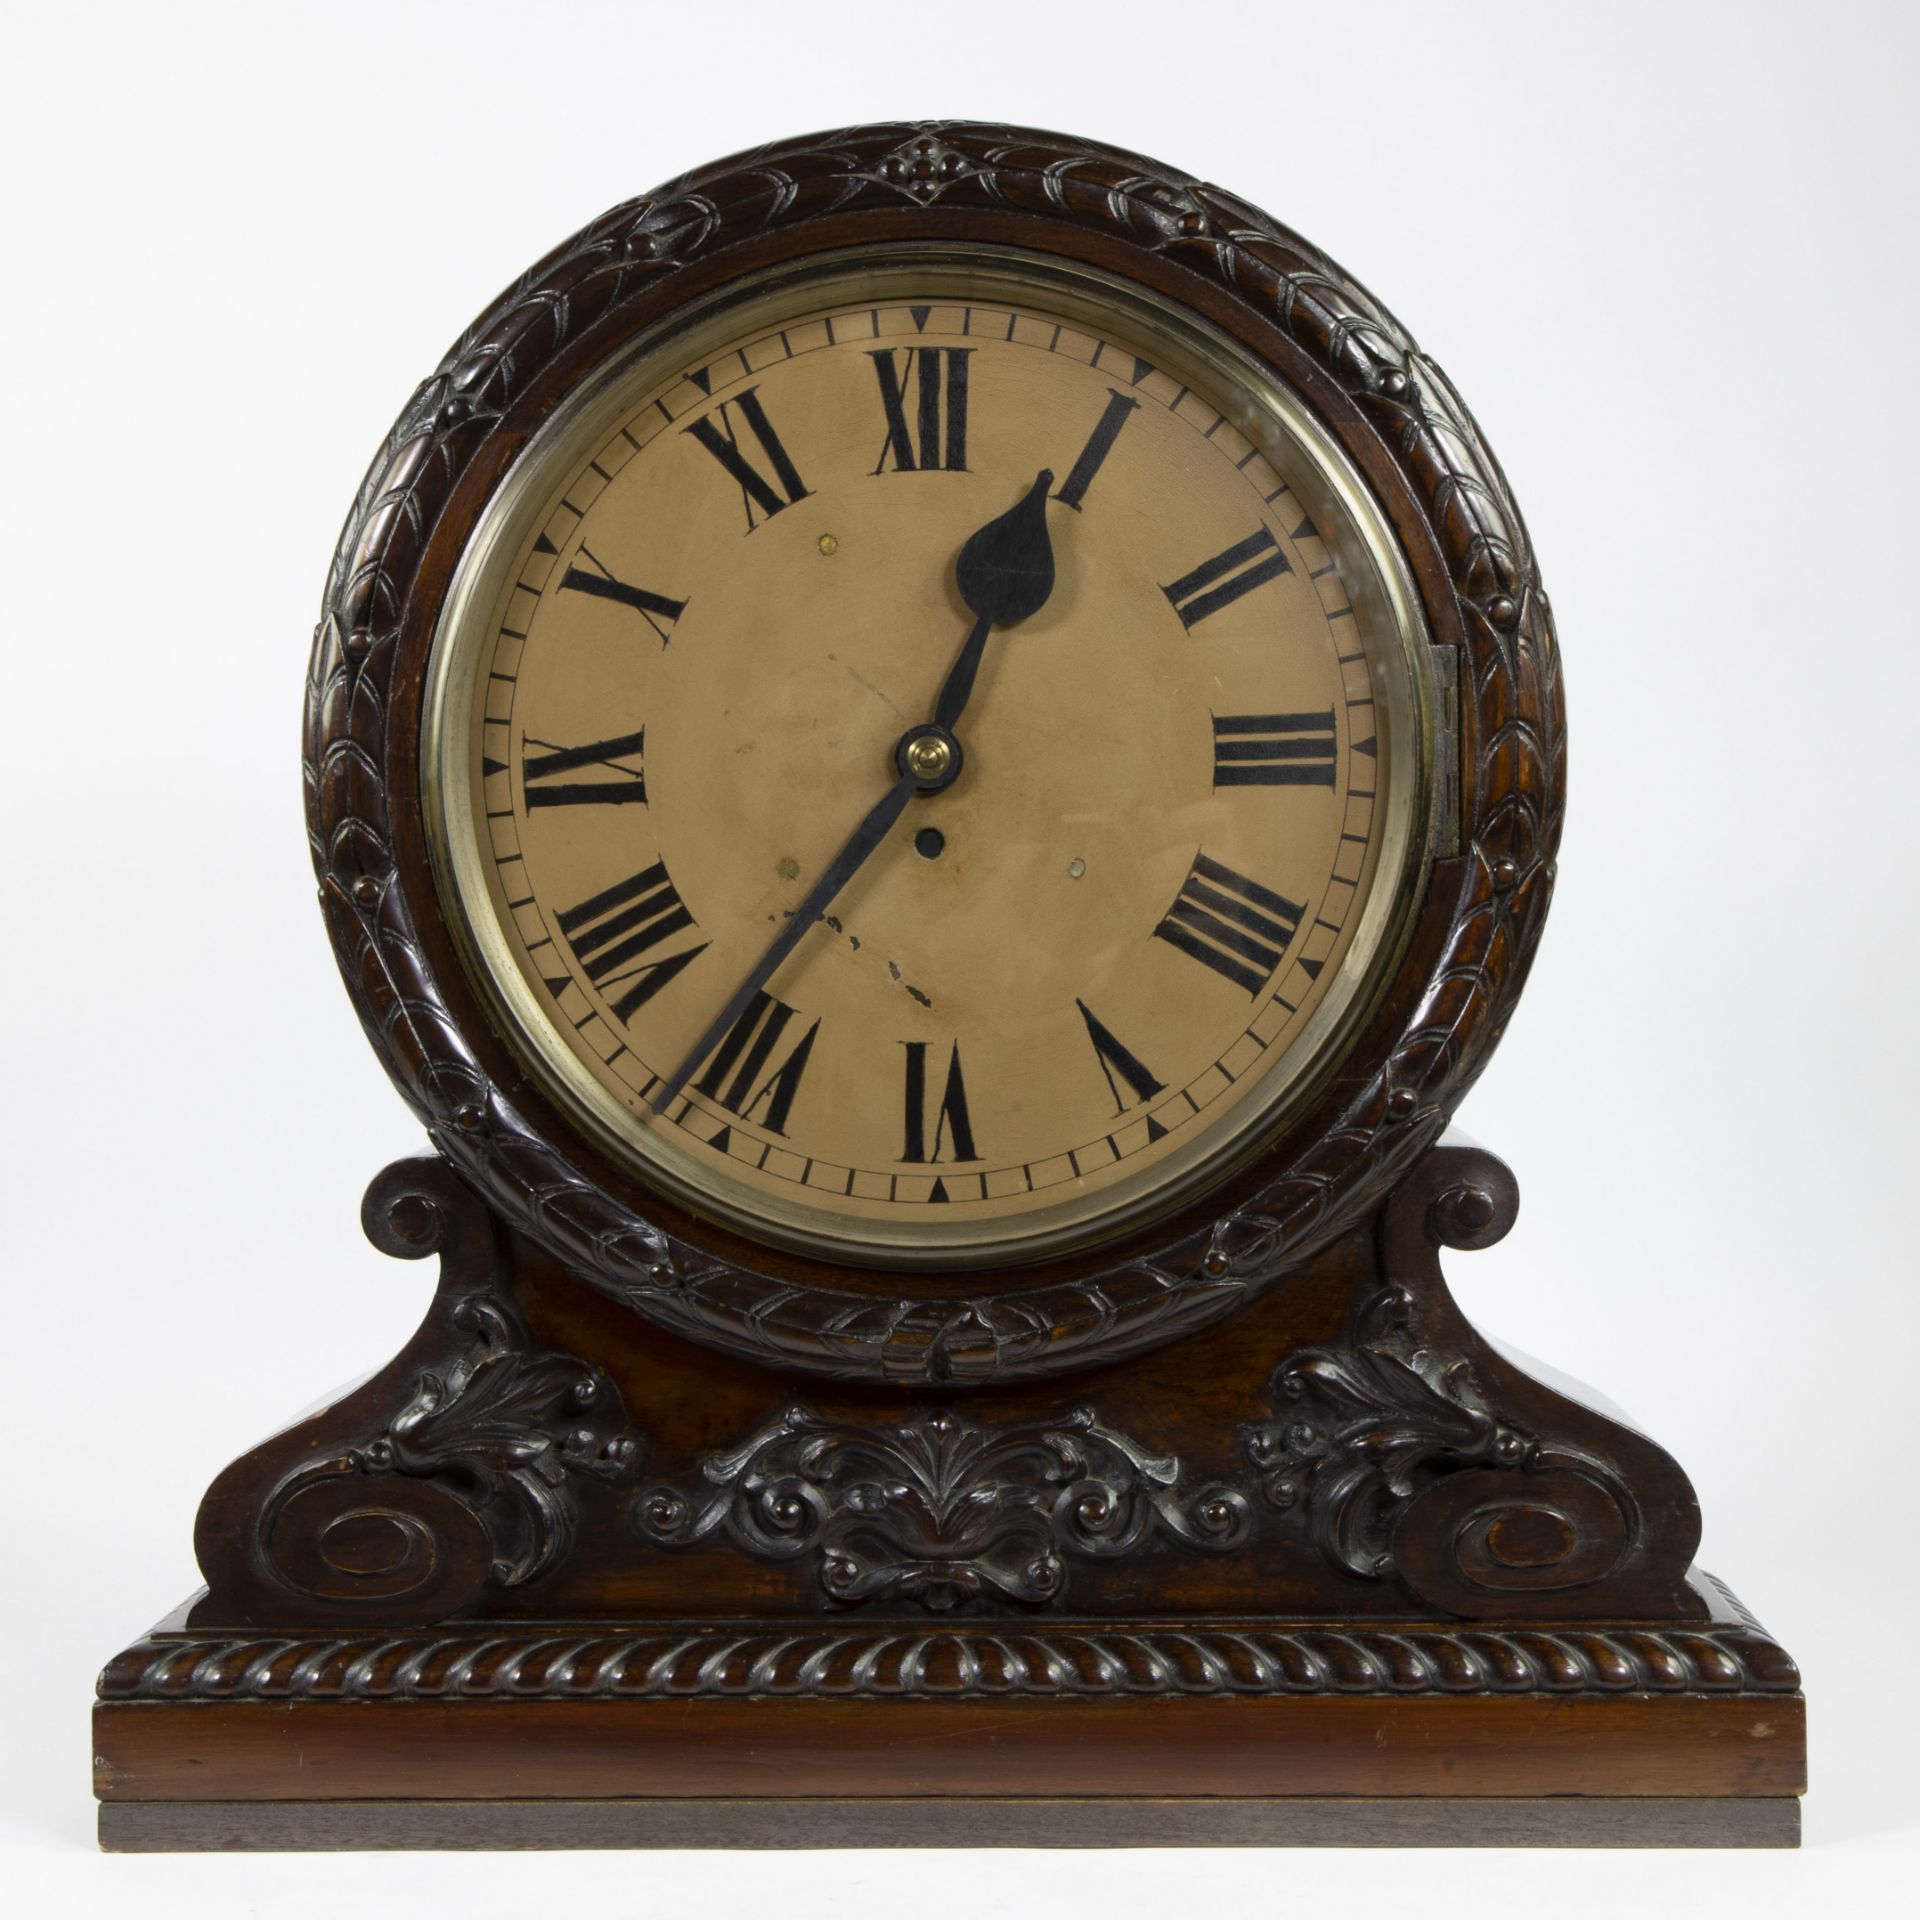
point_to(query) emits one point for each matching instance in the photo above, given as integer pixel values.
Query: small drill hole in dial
(929, 843)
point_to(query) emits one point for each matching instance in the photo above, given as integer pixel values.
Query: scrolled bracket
(1469, 1201)
(462, 1465)
(419, 1207)
(1412, 1451)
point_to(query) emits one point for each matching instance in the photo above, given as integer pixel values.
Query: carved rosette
(929, 181)
(941, 1510)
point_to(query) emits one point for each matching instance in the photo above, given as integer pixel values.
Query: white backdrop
(1667, 251)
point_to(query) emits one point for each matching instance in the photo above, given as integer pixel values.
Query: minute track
(1142, 1128)
(808, 1155)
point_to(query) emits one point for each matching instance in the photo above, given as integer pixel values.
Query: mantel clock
(934, 755)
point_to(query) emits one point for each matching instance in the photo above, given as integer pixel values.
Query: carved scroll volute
(1416, 1453)
(458, 1467)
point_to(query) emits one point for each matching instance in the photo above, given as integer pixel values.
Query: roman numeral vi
(950, 1119)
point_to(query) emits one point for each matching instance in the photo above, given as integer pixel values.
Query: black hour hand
(1005, 573)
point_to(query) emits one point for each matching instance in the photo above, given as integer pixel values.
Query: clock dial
(1086, 936)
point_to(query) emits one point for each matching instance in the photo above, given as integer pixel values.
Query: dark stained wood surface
(505, 1749)
(471, 1480)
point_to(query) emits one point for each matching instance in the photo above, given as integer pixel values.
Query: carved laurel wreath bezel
(426, 489)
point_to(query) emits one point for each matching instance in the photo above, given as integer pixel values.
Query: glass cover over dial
(903, 907)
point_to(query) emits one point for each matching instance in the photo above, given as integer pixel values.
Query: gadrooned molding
(549, 1663)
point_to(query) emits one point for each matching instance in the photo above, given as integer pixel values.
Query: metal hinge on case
(1444, 829)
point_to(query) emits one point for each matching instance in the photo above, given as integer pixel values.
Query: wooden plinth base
(1069, 1734)
(308, 1826)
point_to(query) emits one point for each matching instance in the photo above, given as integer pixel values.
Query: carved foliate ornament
(942, 1510)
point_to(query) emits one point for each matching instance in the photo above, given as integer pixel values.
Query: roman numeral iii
(951, 1121)
(744, 1070)
(1230, 923)
(612, 934)
(763, 493)
(619, 779)
(1273, 749)
(937, 435)
(1219, 582)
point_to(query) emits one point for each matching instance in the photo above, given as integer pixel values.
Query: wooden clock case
(1234, 1531)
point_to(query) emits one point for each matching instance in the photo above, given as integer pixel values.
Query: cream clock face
(1065, 989)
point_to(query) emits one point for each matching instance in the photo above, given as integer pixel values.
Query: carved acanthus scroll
(463, 1465)
(1402, 1450)
(940, 1509)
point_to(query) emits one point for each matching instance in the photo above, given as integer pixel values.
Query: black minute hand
(1005, 573)
(846, 863)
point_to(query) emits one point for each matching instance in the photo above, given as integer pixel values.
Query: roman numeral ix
(950, 1120)
(1273, 749)
(733, 1076)
(543, 773)
(612, 933)
(937, 437)
(1244, 566)
(1230, 923)
(768, 493)
(656, 609)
